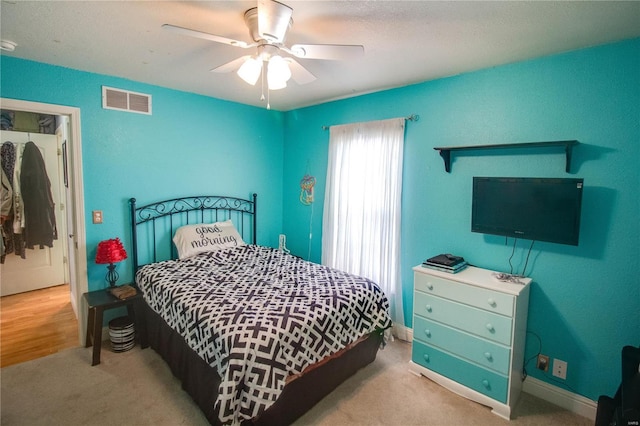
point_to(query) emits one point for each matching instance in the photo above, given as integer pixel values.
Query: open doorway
(35, 324)
(73, 198)
(43, 265)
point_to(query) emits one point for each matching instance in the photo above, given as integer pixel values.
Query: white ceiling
(405, 42)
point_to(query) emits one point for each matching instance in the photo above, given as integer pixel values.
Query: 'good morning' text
(210, 236)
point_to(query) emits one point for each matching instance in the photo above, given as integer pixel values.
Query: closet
(41, 266)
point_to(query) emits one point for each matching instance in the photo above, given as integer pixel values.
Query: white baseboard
(402, 332)
(569, 401)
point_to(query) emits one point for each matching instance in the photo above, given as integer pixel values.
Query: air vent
(125, 101)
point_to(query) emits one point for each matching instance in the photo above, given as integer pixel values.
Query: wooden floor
(36, 324)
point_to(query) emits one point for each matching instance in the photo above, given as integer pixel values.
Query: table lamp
(111, 251)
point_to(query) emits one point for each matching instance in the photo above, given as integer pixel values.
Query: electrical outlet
(560, 369)
(97, 216)
(543, 362)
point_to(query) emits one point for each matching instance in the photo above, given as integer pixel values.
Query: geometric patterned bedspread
(259, 315)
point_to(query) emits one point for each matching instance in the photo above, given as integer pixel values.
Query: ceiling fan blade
(231, 66)
(334, 52)
(274, 20)
(299, 73)
(206, 36)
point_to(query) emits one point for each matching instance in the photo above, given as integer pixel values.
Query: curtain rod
(412, 117)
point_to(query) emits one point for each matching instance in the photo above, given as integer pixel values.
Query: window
(361, 220)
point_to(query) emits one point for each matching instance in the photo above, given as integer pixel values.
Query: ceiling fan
(268, 24)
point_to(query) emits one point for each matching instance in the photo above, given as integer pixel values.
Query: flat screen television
(539, 209)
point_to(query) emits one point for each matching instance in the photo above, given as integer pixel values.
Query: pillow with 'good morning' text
(193, 239)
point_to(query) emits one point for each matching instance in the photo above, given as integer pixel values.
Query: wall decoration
(306, 189)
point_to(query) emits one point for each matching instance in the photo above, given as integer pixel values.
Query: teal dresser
(469, 334)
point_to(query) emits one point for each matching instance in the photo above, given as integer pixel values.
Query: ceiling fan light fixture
(8, 45)
(250, 70)
(278, 73)
(275, 84)
(268, 24)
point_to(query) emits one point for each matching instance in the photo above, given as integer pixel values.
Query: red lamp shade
(110, 251)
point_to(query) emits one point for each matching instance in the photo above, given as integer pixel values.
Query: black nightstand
(101, 300)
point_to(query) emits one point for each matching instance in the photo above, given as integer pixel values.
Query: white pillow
(193, 239)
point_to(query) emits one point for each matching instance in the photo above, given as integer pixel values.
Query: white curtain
(361, 220)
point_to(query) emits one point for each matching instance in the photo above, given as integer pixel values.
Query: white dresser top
(478, 277)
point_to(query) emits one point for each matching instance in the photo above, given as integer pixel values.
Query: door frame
(76, 247)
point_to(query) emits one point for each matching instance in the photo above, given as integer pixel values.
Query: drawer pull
(488, 356)
(428, 308)
(490, 327)
(485, 383)
(491, 302)
(426, 357)
(427, 333)
(430, 286)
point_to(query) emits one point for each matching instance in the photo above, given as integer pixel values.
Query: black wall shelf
(445, 151)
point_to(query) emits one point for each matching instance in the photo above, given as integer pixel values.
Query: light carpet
(137, 388)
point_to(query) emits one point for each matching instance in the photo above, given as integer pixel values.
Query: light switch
(97, 216)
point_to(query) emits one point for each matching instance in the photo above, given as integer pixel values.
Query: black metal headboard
(153, 225)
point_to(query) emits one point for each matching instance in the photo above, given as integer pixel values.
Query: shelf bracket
(446, 156)
(568, 151)
(445, 152)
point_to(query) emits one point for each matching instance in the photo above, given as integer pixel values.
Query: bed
(256, 335)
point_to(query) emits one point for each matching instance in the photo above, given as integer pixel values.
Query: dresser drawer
(478, 350)
(470, 375)
(482, 298)
(467, 318)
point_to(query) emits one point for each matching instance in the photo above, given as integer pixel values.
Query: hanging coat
(14, 241)
(6, 203)
(39, 213)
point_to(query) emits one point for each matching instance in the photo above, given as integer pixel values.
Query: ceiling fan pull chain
(262, 82)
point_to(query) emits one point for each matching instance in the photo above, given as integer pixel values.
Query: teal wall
(190, 145)
(584, 299)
